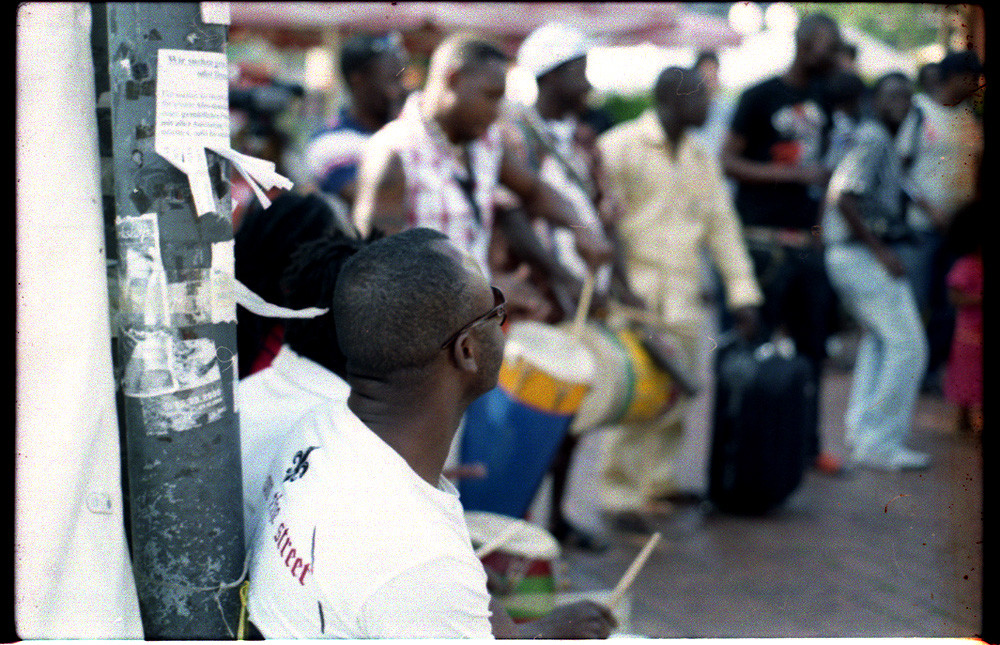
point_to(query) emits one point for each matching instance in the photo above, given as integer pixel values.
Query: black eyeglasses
(499, 310)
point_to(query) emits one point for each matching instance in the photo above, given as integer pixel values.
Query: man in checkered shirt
(439, 163)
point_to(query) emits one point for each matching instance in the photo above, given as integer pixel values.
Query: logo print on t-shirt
(300, 464)
(799, 127)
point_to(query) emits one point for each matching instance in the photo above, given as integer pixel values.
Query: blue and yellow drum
(516, 429)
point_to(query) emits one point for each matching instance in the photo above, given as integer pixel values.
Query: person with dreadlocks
(307, 369)
(264, 244)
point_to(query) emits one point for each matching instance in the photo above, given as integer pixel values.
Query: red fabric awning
(661, 23)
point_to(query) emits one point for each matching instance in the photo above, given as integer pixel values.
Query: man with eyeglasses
(362, 537)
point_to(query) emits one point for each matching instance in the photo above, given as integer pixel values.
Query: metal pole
(176, 353)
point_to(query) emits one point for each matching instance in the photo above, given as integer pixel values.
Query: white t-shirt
(947, 152)
(354, 544)
(270, 402)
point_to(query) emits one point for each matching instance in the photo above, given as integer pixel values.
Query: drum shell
(628, 386)
(526, 562)
(516, 429)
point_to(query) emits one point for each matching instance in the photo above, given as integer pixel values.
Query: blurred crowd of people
(819, 202)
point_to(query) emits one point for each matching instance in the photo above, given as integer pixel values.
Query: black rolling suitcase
(765, 404)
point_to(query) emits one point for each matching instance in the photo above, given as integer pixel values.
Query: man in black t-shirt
(774, 155)
(780, 125)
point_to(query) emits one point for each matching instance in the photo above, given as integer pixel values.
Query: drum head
(552, 350)
(612, 386)
(529, 541)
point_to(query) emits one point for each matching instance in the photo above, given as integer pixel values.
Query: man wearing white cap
(552, 136)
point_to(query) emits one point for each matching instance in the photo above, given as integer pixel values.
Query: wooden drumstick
(583, 308)
(498, 540)
(632, 571)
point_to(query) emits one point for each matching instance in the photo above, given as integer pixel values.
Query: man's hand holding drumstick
(581, 619)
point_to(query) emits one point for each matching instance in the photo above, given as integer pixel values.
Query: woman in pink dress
(963, 385)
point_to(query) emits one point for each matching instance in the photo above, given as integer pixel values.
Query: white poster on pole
(192, 114)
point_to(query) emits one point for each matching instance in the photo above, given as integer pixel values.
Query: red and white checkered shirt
(434, 169)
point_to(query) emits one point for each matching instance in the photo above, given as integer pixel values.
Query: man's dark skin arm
(738, 167)
(541, 200)
(848, 204)
(525, 243)
(381, 194)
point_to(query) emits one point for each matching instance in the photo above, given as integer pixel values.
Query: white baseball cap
(550, 46)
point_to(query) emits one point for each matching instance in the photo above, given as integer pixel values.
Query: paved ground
(868, 555)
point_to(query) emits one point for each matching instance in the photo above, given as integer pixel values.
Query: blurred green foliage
(623, 108)
(903, 25)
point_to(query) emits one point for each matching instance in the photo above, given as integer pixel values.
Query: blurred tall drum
(632, 383)
(516, 429)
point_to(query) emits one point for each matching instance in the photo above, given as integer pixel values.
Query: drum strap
(468, 186)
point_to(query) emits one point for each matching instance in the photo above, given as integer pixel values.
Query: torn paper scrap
(215, 13)
(255, 171)
(162, 363)
(223, 291)
(183, 410)
(254, 303)
(143, 293)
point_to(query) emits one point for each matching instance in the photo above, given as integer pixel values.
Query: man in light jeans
(864, 228)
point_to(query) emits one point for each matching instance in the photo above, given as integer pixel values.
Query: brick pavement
(869, 555)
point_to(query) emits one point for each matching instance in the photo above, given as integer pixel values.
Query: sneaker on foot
(829, 464)
(905, 459)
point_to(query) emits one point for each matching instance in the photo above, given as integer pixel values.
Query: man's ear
(463, 352)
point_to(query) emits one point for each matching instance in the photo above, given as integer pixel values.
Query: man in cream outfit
(676, 206)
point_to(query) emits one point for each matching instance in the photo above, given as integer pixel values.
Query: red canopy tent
(668, 24)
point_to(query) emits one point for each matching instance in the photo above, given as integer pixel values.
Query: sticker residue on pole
(178, 382)
(223, 293)
(143, 282)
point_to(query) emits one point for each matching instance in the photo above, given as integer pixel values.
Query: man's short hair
(674, 82)
(706, 55)
(396, 301)
(844, 87)
(813, 22)
(463, 52)
(961, 62)
(890, 76)
(358, 51)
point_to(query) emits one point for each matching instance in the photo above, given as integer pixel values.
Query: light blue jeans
(892, 353)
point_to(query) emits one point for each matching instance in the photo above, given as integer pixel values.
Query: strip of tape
(254, 303)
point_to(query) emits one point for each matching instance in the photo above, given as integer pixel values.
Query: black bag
(765, 403)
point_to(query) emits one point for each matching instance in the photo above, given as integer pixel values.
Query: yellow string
(241, 628)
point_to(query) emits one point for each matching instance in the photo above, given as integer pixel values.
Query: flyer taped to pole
(192, 115)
